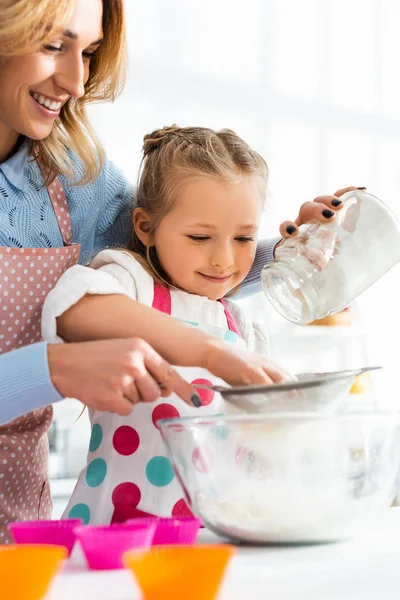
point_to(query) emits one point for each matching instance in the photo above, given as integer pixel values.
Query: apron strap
(162, 302)
(59, 202)
(229, 317)
(162, 298)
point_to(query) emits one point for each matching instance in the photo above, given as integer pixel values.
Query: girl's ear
(142, 225)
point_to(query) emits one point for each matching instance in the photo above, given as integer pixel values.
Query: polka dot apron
(26, 277)
(128, 473)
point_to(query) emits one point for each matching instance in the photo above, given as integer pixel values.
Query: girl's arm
(89, 304)
(118, 316)
(97, 317)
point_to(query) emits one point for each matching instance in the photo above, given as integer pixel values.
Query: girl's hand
(239, 367)
(114, 375)
(322, 210)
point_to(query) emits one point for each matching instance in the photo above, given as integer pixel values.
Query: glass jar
(326, 266)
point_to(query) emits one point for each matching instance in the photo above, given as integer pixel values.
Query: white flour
(309, 515)
(298, 486)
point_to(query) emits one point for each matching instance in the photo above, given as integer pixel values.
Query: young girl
(199, 204)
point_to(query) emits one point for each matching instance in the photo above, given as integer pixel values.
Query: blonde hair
(174, 155)
(27, 25)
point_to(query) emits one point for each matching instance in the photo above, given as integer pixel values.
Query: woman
(55, 57)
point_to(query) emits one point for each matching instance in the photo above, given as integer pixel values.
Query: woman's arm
(265, 253)
(25, 382)
(110, 375)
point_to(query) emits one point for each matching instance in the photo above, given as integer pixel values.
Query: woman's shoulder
(109, 176)
(103, 206)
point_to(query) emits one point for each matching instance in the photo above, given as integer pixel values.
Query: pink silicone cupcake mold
(174, 530)
(103, 546)
(56, 533)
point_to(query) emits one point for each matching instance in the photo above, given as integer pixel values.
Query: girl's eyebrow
(250, 227)
(204, 225)
(247, 227)
(73, 36)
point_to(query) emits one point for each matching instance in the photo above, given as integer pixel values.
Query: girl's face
(35, 86)
(207, 242)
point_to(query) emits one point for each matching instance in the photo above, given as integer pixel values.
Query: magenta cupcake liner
(103, 546)
(57, 533)
(174, 530)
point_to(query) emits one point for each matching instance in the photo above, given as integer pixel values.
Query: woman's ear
(142, 226)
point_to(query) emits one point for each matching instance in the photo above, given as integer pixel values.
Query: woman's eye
(244, 239)
(198, 238)
(54, 48)
(88, 55)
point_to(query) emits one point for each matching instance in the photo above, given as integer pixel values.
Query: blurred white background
(314, 86)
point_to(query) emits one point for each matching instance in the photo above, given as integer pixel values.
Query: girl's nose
(222, 257)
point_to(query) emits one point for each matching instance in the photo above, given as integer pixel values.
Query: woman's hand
(322, 209)
(240, 367)
(114, 375)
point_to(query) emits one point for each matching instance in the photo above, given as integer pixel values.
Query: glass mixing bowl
(286, 477)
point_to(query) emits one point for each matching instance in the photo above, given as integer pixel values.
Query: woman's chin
(38, 136)
(36, 132)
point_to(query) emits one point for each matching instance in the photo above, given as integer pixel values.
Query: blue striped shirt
(101, 216)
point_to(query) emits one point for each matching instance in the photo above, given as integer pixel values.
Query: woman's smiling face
(35, 86)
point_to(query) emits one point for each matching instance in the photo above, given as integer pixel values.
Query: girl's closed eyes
(204, 238)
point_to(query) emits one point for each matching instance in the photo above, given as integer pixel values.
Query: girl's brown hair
(27, 25)
(174, 155)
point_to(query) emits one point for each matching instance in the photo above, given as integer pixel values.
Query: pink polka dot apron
(26, 277)
(128, 473)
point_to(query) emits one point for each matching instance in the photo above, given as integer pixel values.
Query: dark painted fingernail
(195, 400)
(362, 188)
(336, 202)
(290, 229)
(327, 213)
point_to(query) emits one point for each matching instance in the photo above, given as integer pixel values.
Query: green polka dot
(159, 471)
(96, 472)
(80, 511)
(96, 437)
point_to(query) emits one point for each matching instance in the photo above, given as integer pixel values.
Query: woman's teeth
(46, 102)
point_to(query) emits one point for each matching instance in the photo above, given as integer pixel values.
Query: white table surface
(367, 568)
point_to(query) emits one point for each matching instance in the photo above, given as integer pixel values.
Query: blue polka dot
(80, 511)
(221, 432)
(96, 438)
(231, 336)
(159, 471)
(96, 472)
